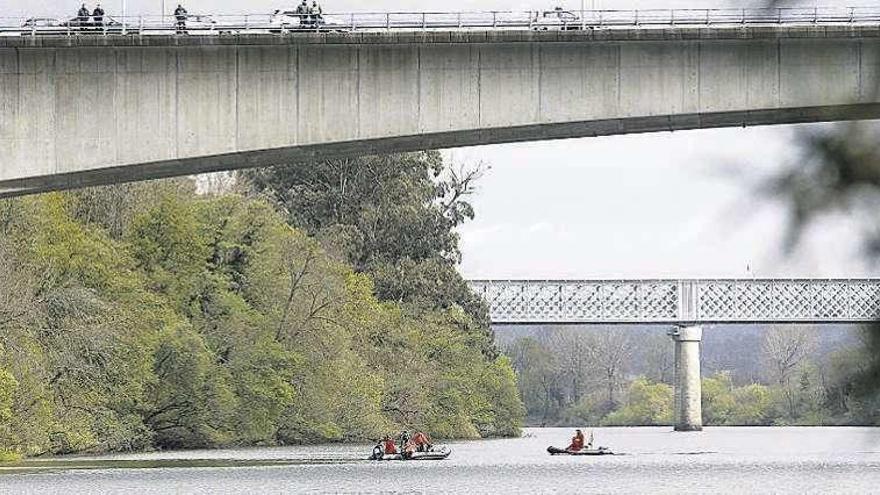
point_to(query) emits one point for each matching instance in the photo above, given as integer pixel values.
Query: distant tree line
(309, 303)
(623, 376)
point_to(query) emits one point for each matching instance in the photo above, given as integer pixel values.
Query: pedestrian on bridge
(302, 10)
(82, 17)
(180, 15)
(98, 15)
(315, 12)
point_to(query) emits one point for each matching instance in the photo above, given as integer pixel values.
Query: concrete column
(688, 411)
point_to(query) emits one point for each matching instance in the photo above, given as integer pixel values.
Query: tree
(573, 348)
(199, 321)
(646, 404)
(657, 357)
(718, 404)
(786, 348)
(611, 353)
(393, 216)
(538, 379)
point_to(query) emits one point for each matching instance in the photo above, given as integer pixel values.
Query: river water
(652, 460)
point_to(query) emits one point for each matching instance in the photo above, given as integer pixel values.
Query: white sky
(649, 205)
(677, 204)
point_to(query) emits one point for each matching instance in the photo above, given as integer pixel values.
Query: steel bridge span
(684, 305)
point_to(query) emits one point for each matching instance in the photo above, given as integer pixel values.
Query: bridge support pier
(687, 391)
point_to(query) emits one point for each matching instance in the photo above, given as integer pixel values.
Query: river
(652, 460)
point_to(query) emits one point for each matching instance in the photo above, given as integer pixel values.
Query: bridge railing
(425, 21)
(682, 301)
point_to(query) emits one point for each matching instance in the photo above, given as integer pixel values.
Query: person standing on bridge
(180, 14)
(98, 15)
(315, 12)
(302, 10)
(82, 16)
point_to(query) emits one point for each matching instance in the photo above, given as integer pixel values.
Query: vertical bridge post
(687, 390)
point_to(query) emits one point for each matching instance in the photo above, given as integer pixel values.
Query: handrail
(437, 20)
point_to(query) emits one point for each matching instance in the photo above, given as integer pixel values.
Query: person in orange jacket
(421, 441)
(577, 442)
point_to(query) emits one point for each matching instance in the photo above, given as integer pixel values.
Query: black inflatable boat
(597, 451)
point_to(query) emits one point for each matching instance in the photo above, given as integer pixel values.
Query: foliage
(646, 403)
(393, 217)
(183, 321)
(726, 404)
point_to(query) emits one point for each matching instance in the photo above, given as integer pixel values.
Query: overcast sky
(680, 204)
(649, 205)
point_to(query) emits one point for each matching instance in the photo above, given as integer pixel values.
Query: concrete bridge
(684, 305)
(88, 110)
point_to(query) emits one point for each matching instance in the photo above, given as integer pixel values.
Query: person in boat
(421, 442)
(403, 439)
(388, 445)
(378, 451)
(577, 442)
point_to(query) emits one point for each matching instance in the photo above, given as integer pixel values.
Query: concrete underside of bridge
(88, 110)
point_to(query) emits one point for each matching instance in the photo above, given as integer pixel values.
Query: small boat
(437, 454)
(597, 451)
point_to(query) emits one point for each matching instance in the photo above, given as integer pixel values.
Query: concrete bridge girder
(80, 115)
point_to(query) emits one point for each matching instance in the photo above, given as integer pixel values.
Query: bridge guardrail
(425, 21)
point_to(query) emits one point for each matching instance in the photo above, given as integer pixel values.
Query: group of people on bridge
(309, 15)
(97, 17)
(83, 15)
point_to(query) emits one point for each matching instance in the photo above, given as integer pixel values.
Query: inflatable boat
(597, 451)
(436, 454)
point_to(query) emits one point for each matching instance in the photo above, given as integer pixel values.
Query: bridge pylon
(687, 390)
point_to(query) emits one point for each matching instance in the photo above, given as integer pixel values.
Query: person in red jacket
(577, 442)
(389, 445)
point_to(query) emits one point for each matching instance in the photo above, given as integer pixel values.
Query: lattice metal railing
(286, 21)
(681, 301)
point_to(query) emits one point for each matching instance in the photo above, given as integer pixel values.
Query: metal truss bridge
(680, 302)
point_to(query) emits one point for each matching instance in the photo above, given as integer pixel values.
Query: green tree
(718, 401)
(201, 321)
(392, 216)
(753, 406)
(646, 404)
